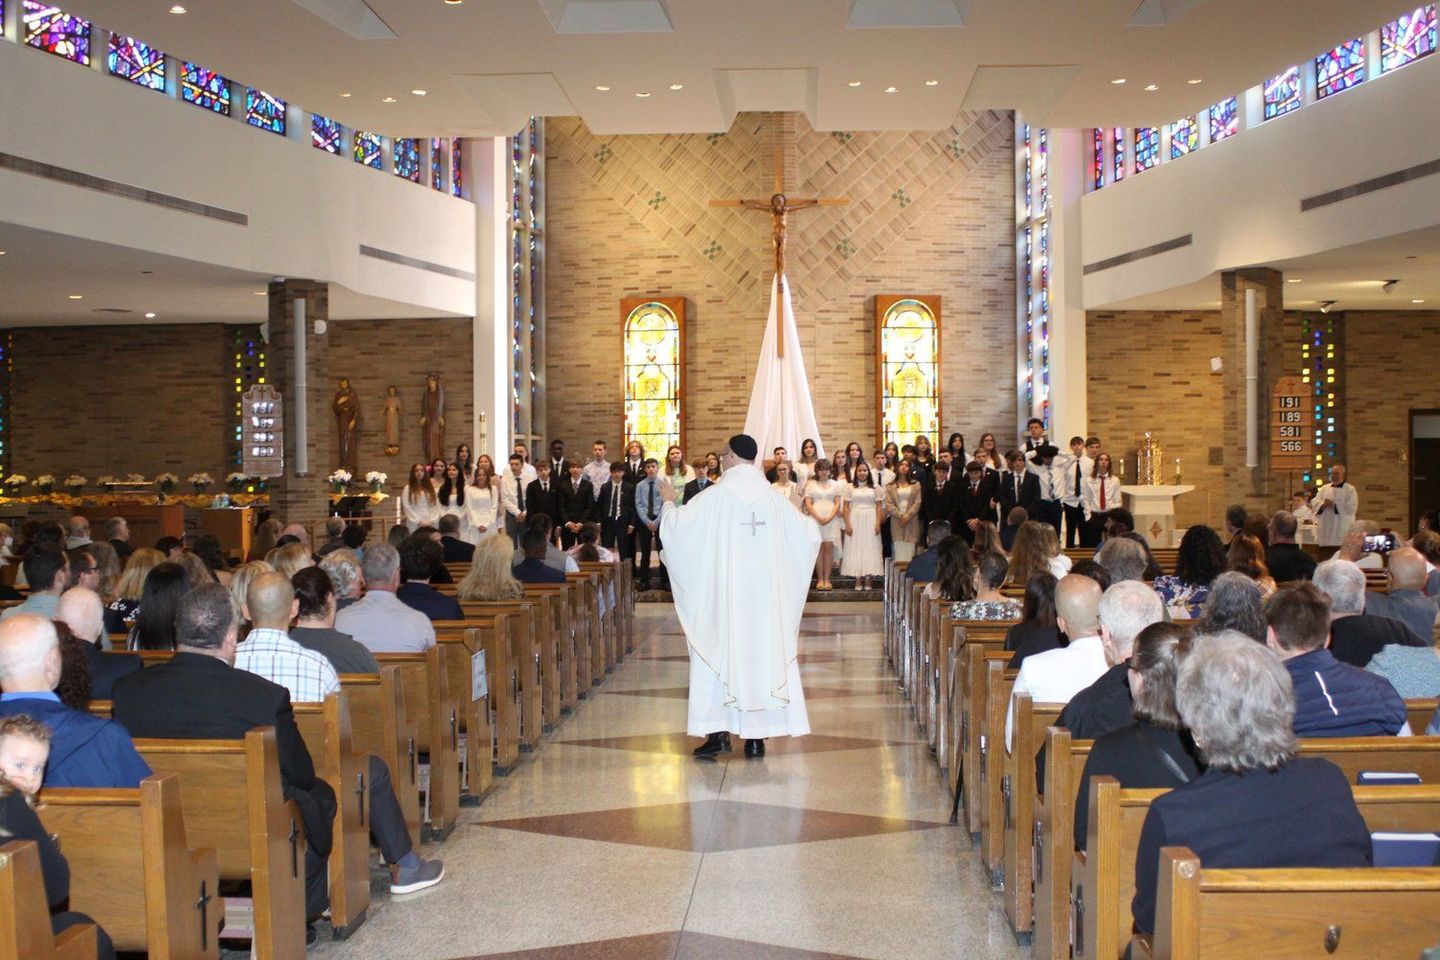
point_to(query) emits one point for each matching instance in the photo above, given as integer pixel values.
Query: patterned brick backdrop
(930, 212)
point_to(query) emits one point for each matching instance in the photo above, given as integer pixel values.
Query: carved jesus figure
(346, 407)
(780, 206)
(432, 418)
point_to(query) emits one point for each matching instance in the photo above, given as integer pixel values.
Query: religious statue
(432, 418)
(393, 413)
(346, 407)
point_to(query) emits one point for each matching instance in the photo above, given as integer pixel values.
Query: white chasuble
(740, 560)
(1334, 521)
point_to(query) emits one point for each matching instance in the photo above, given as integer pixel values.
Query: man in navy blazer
(534, 569)
(418, 558)
(922, 568)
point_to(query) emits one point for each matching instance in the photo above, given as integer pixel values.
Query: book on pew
(1405, 849)
(1381, 778)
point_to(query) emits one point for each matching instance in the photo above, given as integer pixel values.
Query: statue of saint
(346, 407)
(432, 418)
(393, 413)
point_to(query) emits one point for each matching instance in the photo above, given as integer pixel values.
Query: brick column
(294, 495)
(1253, 487)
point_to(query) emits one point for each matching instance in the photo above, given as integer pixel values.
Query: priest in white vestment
(1335, 505)
(743, 560)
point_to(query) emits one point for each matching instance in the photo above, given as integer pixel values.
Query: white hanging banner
(782, 413)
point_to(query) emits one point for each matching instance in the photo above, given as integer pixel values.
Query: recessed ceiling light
(932, 83)
(1194, 81)
(388, 100)
(150, 316)
(643, 94)
(177, 9)
(1293, 279)
(419, 93)
(2, 253)
(1118, 80)
(891, 89)
(77, 296)
(259, 293)
(347, 95)
(1151, 87)
(855, 83)
(677, 86)
(453, 3)
(602, 88)
(1417, 301)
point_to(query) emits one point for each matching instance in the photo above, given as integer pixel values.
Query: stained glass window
(652, 376)
(264, 111)
(1408, 38)
(367, 149)
(1184, 137)
(325, 134)
(1025, 159)
(437, 165)
(407, 159)
(1097, 157)
(1283, 93)
(49, 28)
(1224, 119)
(1147, 147)
(1042, 169)
(457, 182)
(910, 373)
(136, 61)
(2, 33)
(1318, 373)
(1118, 136)
(204, 88)
(1341, 68)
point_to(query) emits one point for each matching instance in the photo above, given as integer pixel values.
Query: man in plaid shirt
(268, 651)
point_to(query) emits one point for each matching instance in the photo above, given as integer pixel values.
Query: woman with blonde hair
(1247, 556)
(265, 536)
(1036, 550)
(108, 563)
(120, 613)
(197, 571)
(489, 577)
(290, 559)
(987, 540)
(241, 578)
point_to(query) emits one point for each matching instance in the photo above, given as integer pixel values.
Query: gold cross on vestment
(779, 207)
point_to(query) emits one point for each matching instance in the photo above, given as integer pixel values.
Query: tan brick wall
(948, 232)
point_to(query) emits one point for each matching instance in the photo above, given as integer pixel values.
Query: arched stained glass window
(909, 333)
(654, 372)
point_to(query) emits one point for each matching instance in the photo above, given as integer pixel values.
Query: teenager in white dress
(787, 486)
(482, 505)
(1101, 495)
(418, 503)
(437, 473)
(452, 500)
(824, 499)
(864, 513)
(805, 466)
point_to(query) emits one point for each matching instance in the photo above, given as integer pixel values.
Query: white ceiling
(1354, 277)
(487, 64)
(39, 271)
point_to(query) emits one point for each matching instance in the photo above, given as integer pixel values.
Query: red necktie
(1102, 493)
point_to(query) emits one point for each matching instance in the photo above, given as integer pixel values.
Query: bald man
(85, 751)
(82, 610)
(1406, 600)
(1057, 675)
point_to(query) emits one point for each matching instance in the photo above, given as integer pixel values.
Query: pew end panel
(25, 932)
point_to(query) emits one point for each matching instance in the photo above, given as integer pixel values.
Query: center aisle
(614, 843)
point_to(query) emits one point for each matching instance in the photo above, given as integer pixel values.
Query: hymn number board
(1292, 426)
(263, 433)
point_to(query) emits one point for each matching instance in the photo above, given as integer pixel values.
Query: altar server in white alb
(740, 591)
(1335, 505)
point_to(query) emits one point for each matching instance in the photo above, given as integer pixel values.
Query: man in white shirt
(1034, 438)
(1074, 468)
(380, 620)
(1057, 675)
(1048, 506)
(513, 485)
(597, 470)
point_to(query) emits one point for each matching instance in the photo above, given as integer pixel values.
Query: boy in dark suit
(615, 509)
(575, 501)
(543, 495)
(702, 480)
(974, 501)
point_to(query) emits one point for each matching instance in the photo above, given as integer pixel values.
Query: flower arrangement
(15, 481)
(135, 478)
(235, 482)
(376, 479)
(45, 483)
(339, 479)
(200, 481)
(166, 482)
(75, 483)
(106, 483)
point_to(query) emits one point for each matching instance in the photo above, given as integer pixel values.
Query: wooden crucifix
(779, 207)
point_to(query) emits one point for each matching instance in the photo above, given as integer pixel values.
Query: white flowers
(166, 481)
(339, 476)
(45, 482)
(200, 479)
(236, 477)
(375, 478)
(75, 480)
(136, 478)
(105, 482)
(16, 480)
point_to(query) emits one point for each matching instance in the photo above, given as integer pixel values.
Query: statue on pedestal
(432, 418)
(346, 407)
(393, 413)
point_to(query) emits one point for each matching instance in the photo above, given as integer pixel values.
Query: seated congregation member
(1036, 632)
(1247, 555)
(81, 610)
(987, 539)
(315, 624)
(155, 621)
(452, 548)
(85, 751)
(1234, 603)
(172, 547)
(117, 532)
(1257, 804)
(1126, 609)
(1057, 675)
(1037, 550)
(575, 503)
(334, 536)
(343, 569)
(47, 570)
(353, 538)
(1149, 750)
(1406, 601)
(1428, 543)
(555, 558)
(1287, 562)
(1014, 520)
(380, 621)
(209, 551)
(955, 571)
(240, 583)
(924, 567)
(290, 558)
(615, 509)
(440, 573)
(1332, 699)
(1355, 636)
(309, 677)
(199, 695)
(418, 559)
(1200, 560)
(986, 602)
(489, 577)
(77, 532)
(589, 535)
(1122, 558)
(83, 569)
(534, 569)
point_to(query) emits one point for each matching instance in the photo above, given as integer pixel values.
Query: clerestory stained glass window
(1147, 147)
(910, 373)
(264, 111)
(325, 134)
(368, 149)
(1118, 137)
(136, 61)
(1184, 137)
(204, 88)
(1408, 38)
(1224, 119)
(457, 181)
(407, 159)
(1283, 93)
(437, 165)
(652, 376)
(1097, 157)
(51, 29)
(1340, 68)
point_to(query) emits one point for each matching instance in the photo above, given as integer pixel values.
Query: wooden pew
(530, 663)
(948, 657)
(982, 668)
(1103, 878)
(256, 833)
(132, 872)
(1355, 912)
(601, 644)
(326, 730)
(610, 592)
(998, 684)
(25, 931)
(1018, 789)
(1053, 816)
(380, 725)
(1420, 712)
(490, 724)
(425, 683)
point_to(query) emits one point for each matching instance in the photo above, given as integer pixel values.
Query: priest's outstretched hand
(667, 492)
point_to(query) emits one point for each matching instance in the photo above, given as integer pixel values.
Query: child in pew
(24, 748)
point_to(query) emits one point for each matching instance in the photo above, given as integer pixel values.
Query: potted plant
(235, 482)
(45, 483)
(106, 483)
(74, 484)
(14, 482)
(376, 479)
(339, 480)
(200, 482)
(166, 482)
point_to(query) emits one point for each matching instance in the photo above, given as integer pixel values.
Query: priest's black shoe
(754, 748)
(716, 743)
